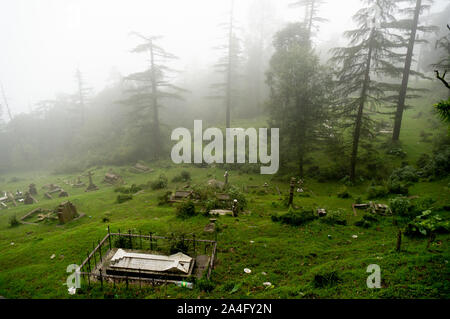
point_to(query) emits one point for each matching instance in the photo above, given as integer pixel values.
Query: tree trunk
(406, 72)
(311, 18)
(358, 125)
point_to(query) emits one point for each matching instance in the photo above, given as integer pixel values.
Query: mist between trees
(332, 98)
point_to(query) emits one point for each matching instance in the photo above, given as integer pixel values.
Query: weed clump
(128, 190)
(122, 198)
(205, 285)
(161, 183)
(328, 279)
(184, 176)
(367, 220)
(426, 224)
(13, 222)
(295, 218)
(376, 192)
(334, 218)
(186, 210)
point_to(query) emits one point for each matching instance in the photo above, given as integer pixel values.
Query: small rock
(52, 256)
(12, 244)
(252, 242)
(329, 237)
(354, 236)
(264, 273)
(72, 290)
(267, 284)
(247, 271)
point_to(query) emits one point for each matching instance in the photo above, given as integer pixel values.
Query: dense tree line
(332, 107)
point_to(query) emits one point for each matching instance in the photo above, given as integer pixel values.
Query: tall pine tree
(299, 88)
(371, 54)
(149, 88)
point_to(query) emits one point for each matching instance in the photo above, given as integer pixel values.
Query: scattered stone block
(48, 196)
(29, 200)
(322, 212)
(112, 178)
(66, 212)
(141, 168)
(221, 212)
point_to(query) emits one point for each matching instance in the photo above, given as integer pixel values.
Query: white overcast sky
(43, 42)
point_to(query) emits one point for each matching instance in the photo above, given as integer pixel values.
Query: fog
(45, 41)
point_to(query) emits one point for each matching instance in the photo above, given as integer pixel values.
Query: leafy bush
(13, 222)
(161, 183)
(164, 198)
(186, 209)
(184, 176)
(235, 193)
(122, 242)
(400, 206)
(427, 223)
(178, 246)
(334, 218)
(295, 218)
(367, 220)
(405, 174)
(122, 198)
(397, 187)
(376, 192)
(205, 285)
(128, 190)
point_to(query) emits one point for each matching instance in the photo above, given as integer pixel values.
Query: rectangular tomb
(130, 263)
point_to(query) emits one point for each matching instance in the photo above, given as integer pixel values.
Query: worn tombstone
(92, 186)
(226, 177)
(32, 189)
(112, 178)
(29, 200)
(79, 183)
(141, 168)
(66, 212)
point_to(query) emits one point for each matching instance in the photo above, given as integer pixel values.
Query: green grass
(289, 256)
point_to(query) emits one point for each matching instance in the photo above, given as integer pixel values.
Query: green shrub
(235, 193)
(186, 210)
(295, 218)
(13, 222)
(122, 198)
(367, 220)
(405, 174)
(400, 206)
(425, 224)
(184, 176)
(122, 242)
(397, 187)
(161, 183)
(164, 198)
(179, 246)
(334, 218)
(376, 192)
(128, 190)
(205, 285)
